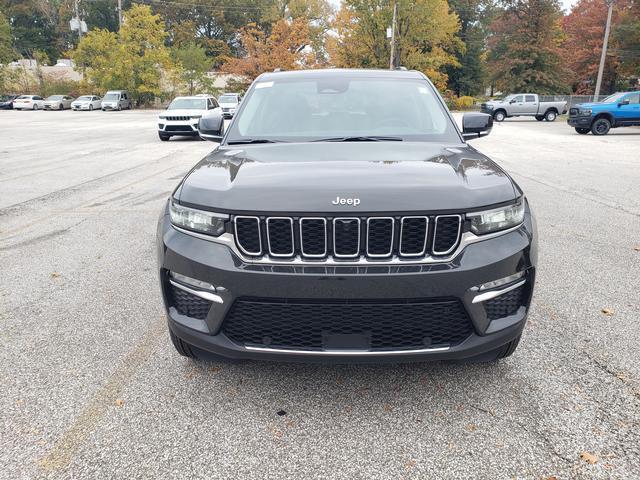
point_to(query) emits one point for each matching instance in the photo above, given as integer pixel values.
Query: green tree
(469, 77)
(193, 65)
(33, 24)
(526, 46)
(7, 53)
(425, 35)
(133, 59)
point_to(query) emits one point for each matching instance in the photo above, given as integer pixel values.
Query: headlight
(198, 220)
(498, 219)
(162, 117)
(586, 111)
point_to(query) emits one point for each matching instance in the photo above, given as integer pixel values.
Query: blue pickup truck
(617, 110)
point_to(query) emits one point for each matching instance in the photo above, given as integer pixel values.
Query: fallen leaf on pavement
(55, 274)
(589, 458)
(387, 407)
(119, 402)
(607, 311)
(637, 248)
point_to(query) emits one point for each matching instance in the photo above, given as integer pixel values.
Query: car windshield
(228, 99)
(613, 98)
(23, 97)
(84, 98)
(188, 104)
(111, 96)
(351, 108)
(55, 97)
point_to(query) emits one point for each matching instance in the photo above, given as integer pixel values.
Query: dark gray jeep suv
(344, 218)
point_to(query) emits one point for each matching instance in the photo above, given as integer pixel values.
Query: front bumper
(179, 127)
(579, 121)
(478, 263)
(82, 107)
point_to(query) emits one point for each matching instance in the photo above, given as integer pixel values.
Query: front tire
(582, 131)
(499, 353)
(182, 347)
(550, 116)
(90, 108)
(35, 107)
(499, 116)
(601, 126)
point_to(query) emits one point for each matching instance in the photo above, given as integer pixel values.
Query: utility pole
(603, 55)
(392, 59)
(79, 22)
(119, 14)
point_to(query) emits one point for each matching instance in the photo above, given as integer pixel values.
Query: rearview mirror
(476, 125)
(211, 125)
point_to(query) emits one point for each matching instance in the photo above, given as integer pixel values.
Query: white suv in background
(182, 116)
(229, 102)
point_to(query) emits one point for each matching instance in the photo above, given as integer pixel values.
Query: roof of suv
(331, 72)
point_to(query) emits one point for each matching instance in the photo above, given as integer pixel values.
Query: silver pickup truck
(523, 104)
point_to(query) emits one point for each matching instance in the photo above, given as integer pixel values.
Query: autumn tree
(626, 36)
(526, 48)
(584, 33)
(283, 48)
(425, 36)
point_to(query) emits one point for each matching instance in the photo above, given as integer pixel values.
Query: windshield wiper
(252, 140)
(368, 138)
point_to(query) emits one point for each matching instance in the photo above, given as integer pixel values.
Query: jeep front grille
(179, 118)
(345, 238)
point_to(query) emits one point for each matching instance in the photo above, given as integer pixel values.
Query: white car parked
(58, 102)
(28, 102)
(182, 116)
(86, 102)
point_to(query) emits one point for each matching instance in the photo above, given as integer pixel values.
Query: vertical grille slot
(247, 231)
(280, 236)
(346, 237)
(446, 234)
(380, 236)
(413, 236)
(313, 237)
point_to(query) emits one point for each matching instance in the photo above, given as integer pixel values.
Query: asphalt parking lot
(92, 388)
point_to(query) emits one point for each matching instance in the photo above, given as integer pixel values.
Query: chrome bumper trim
(353, 353)
(212, 297)
(482, 297)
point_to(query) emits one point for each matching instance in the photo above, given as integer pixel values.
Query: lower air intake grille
(505, 305)
(304, 325)
(188, 304)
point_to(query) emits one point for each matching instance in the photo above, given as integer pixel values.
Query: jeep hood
(308, 177)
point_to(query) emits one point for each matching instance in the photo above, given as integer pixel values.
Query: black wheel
(90, 108)
(164, 137)
(60, 107)
(504, 351)
(499, 116)
(582, 131)
(540, 117)
(601, 126)
(550, 116)
(182, 347)
(35, 106)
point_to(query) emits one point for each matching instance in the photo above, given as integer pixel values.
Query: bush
(463, 103)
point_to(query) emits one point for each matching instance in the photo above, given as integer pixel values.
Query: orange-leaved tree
(286, 47)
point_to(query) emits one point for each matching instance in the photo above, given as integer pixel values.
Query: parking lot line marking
(65, 448)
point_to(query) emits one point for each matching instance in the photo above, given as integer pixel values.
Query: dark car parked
(344, 218)
(6, 101)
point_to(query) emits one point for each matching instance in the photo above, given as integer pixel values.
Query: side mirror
(512, 101)
(476, 125)
(211, 125)
(624, 102)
